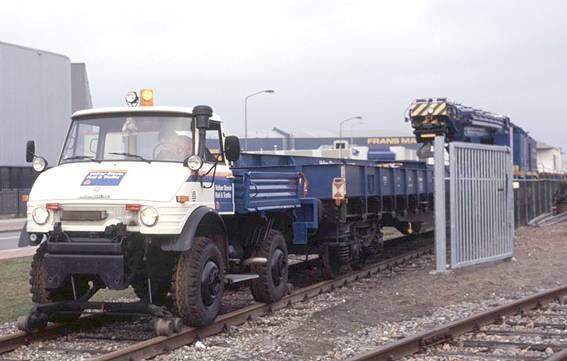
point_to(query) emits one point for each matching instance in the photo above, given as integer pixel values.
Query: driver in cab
(175, 147)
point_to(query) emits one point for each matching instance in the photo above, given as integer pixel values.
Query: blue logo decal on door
(104, 178)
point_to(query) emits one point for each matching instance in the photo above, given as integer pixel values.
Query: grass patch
(15, 299)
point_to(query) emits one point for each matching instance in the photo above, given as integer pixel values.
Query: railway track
(77, 338)
(533, 328)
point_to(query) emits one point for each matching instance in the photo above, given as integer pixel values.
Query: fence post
(440, 215)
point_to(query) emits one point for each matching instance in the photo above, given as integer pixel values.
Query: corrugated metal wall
(35, 102)
(80, 89)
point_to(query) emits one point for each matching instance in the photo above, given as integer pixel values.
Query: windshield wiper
(132, 155)
(81, 157)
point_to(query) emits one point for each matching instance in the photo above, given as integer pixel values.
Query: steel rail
(162, 344)
(444, 333)
(11, 342)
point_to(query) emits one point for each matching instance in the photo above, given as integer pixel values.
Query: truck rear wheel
(199, 282)
(271, 286)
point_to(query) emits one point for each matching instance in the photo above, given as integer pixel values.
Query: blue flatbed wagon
(334, 206)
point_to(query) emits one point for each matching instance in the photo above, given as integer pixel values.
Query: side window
(214, 145)
(83, 141)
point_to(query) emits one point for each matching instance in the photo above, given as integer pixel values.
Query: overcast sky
(327, 60)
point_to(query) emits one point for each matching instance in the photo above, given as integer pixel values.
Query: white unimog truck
(138, 199)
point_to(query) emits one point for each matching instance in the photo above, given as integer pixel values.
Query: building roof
(542, 146)
(334, 133)
(38, 51)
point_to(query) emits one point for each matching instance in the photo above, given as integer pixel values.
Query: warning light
(147, 97)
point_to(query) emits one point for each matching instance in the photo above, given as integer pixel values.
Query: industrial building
(549, 158)
(363, 144)
(39, 90)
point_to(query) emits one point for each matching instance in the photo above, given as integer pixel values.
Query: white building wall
(35, 102)
(550, 160)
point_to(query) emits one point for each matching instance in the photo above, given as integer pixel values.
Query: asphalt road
(9, 240)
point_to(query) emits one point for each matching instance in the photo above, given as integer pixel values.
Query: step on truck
(159, 199)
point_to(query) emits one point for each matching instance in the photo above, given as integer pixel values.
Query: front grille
(92, 216)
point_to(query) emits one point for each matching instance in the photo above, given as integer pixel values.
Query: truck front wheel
(41, 294)
(199, 282)
(271, 286)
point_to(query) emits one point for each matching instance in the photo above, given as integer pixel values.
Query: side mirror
(30, 151)
(232, 148)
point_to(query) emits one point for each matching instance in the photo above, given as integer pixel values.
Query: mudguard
(201, 217)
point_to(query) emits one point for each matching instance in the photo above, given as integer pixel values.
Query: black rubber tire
(187, 291)
(41, 294)
(265, 288)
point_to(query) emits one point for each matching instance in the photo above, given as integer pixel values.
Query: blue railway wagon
(300, 190)
(525, 153)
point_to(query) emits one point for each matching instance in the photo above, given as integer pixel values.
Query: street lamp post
(341, 133)
(268, 91)
(352, 125)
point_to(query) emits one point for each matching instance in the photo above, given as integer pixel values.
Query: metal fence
(533, 197)
(481, 203)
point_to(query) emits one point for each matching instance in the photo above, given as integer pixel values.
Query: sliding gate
(481, 203)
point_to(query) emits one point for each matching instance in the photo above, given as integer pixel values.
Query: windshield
(129, 137)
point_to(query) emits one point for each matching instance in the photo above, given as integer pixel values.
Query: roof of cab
(150, 109)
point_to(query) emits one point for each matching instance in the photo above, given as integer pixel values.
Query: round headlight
(40, 215)
(39, 164)
(194, 162)
(148, 216)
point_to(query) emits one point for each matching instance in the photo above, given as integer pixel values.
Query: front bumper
(110, 268)
(98, 257)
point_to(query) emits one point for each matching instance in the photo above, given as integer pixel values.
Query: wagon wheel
(331, 266)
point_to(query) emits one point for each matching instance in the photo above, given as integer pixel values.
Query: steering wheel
(157, 149)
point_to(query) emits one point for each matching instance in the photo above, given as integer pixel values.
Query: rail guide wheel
(32, 322)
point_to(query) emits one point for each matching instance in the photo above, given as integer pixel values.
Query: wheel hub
(210, 282)
(278, 265)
